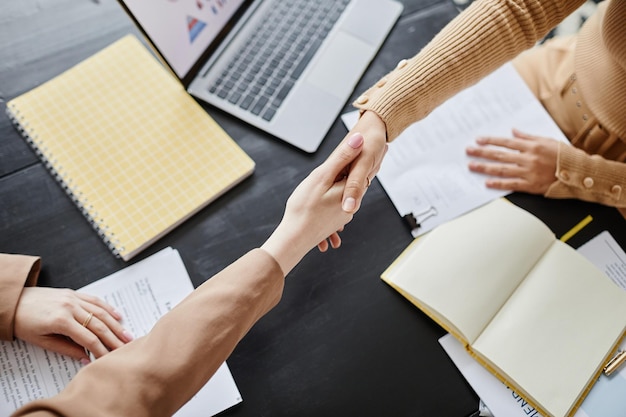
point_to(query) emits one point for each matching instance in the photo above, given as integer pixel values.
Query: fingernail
(127, 335)
(85, 361)
(349, 204)
(355, 141)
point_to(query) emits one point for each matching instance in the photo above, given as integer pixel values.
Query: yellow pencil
(584, 222)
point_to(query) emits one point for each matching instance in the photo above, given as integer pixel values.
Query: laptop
(285, 66)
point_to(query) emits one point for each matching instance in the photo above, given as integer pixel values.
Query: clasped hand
(66, 321)
(367, 164)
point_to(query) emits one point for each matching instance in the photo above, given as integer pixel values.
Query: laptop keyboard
(260, 76)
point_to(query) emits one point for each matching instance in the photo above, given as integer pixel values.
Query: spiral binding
(56, 171)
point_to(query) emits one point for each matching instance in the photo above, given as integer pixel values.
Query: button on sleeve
(362, 99)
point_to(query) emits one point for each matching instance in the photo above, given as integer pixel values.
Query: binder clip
(415, 221)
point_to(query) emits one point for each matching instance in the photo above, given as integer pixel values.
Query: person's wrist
(374, 125)
(286, 249)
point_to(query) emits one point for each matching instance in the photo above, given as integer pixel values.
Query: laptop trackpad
(342, 64)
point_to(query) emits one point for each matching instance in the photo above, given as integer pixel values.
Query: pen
(616, 362)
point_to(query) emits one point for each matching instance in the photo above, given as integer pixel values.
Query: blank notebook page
(137, 154)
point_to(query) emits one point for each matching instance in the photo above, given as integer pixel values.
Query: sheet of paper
(605, 253)
(426, 166)
(606, 398)
(483, 411)
(142, 293)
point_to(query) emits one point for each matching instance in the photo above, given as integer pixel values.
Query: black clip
(415, 222)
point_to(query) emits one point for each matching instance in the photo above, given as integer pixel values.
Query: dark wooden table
(341, 342)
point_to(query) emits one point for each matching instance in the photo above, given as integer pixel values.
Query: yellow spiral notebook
(133, 150)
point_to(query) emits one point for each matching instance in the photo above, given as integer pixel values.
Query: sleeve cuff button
(362, 100)
(588, 182)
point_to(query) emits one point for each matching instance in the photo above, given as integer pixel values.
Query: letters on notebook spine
(56, 170)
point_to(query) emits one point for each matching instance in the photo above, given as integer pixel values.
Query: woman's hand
(363, 169)
(314, 211)
(68, 322)
(524, 163)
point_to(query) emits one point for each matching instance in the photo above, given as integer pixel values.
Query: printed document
(142, 293)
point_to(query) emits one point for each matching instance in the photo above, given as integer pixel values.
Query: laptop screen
(181, 30)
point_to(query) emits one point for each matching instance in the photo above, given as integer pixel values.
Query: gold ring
(87, 320)
(369, 182)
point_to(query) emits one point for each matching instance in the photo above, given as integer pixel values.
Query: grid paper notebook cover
(133, 150)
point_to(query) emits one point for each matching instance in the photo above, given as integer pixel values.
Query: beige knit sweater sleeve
(478, 41)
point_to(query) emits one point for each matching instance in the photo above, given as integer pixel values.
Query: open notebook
(533, 311)
(132, 149)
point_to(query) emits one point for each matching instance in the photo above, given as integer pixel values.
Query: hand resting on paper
(523, 163)
(60, 320)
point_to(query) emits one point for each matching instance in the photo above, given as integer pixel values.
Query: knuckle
(96, 326)
(92, 342)
(98, 312)
(344, 154)
(534, 160)
(352, 183)
(60, 323)
(90, 298)
(66, 298)
(479, 167)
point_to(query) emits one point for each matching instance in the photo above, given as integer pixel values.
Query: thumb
(343, 156)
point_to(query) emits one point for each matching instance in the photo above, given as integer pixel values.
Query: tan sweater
(156, 374)
(16, 271)
(488, 34)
